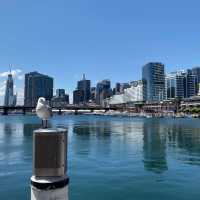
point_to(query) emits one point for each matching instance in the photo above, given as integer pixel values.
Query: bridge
(5, 110)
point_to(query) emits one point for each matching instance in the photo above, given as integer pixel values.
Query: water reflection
(28, 129)
(92, 135)
(98, 128)
(154, 147)
(185, 140)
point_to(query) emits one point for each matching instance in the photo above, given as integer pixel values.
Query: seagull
(43, 111)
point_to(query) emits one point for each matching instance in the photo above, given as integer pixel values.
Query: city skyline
(18, 77)
(99, 38)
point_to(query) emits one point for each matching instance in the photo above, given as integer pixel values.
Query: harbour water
(117, 158)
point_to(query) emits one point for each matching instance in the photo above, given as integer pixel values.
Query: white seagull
(43, 111)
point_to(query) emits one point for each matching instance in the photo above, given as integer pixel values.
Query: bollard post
(49, 180)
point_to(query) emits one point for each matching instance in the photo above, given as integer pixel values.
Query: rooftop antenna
(84, 77)
(10, 66)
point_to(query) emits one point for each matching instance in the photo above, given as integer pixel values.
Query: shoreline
(118, 114)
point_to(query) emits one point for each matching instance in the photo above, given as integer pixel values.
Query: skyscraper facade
(191, 84)
(10, 99)
(153, 75)
(93, 94)
(123, 86)
(120, 87)
(82, 93)
(196, 72)
(60, 92)
(175, 83)
(84, 85)
(78, 97)
(171, 86)
(61, 99)
(117, 88)
(37, 85)
(103, 91)
(181, 84)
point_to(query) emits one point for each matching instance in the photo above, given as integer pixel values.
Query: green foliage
(193, 110)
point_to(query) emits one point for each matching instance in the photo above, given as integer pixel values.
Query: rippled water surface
(109, 157)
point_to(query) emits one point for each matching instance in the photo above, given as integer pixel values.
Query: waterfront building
(175, 83)
(181, 84)
(196, 72)
(78, 96)
(123, 86)
(153, 75)
(37, 85)
(117, 88)
(117, 99)
(84, 85)
(103, 91)
(198, 94)
(10, 99)
(60, 92)
(132, 94)
(191, 84)
(170, 84)
(120, 87)
(136, 91)
(93, 94)
(61, 99)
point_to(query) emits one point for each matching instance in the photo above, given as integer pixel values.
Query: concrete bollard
(49, 180)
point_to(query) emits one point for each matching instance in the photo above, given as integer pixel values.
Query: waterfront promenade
(5, 110)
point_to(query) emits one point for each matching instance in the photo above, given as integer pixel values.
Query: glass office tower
(153, 75)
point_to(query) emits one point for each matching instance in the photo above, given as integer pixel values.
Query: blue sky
(103, 39)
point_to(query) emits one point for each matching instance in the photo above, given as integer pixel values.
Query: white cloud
(20, 77)
(2, 88)
(17, 73)
(20, 96)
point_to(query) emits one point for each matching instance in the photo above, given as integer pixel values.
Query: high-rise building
(175, 84)
(103, 91)
(170, 85)
(153, 75)
(61, 99)
(191, 84)
(60, 92)
(120, 87)
(117, 88)
(123, 86)
(37, 85)
(10, 99)
(196, 72)
(78, 96)
(84, 85)
(93, 94)
(82, 93)
(181, 84)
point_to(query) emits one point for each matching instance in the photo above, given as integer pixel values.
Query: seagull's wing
(43, 110)
(39, 106)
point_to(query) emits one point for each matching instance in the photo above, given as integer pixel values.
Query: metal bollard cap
(50, 152)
